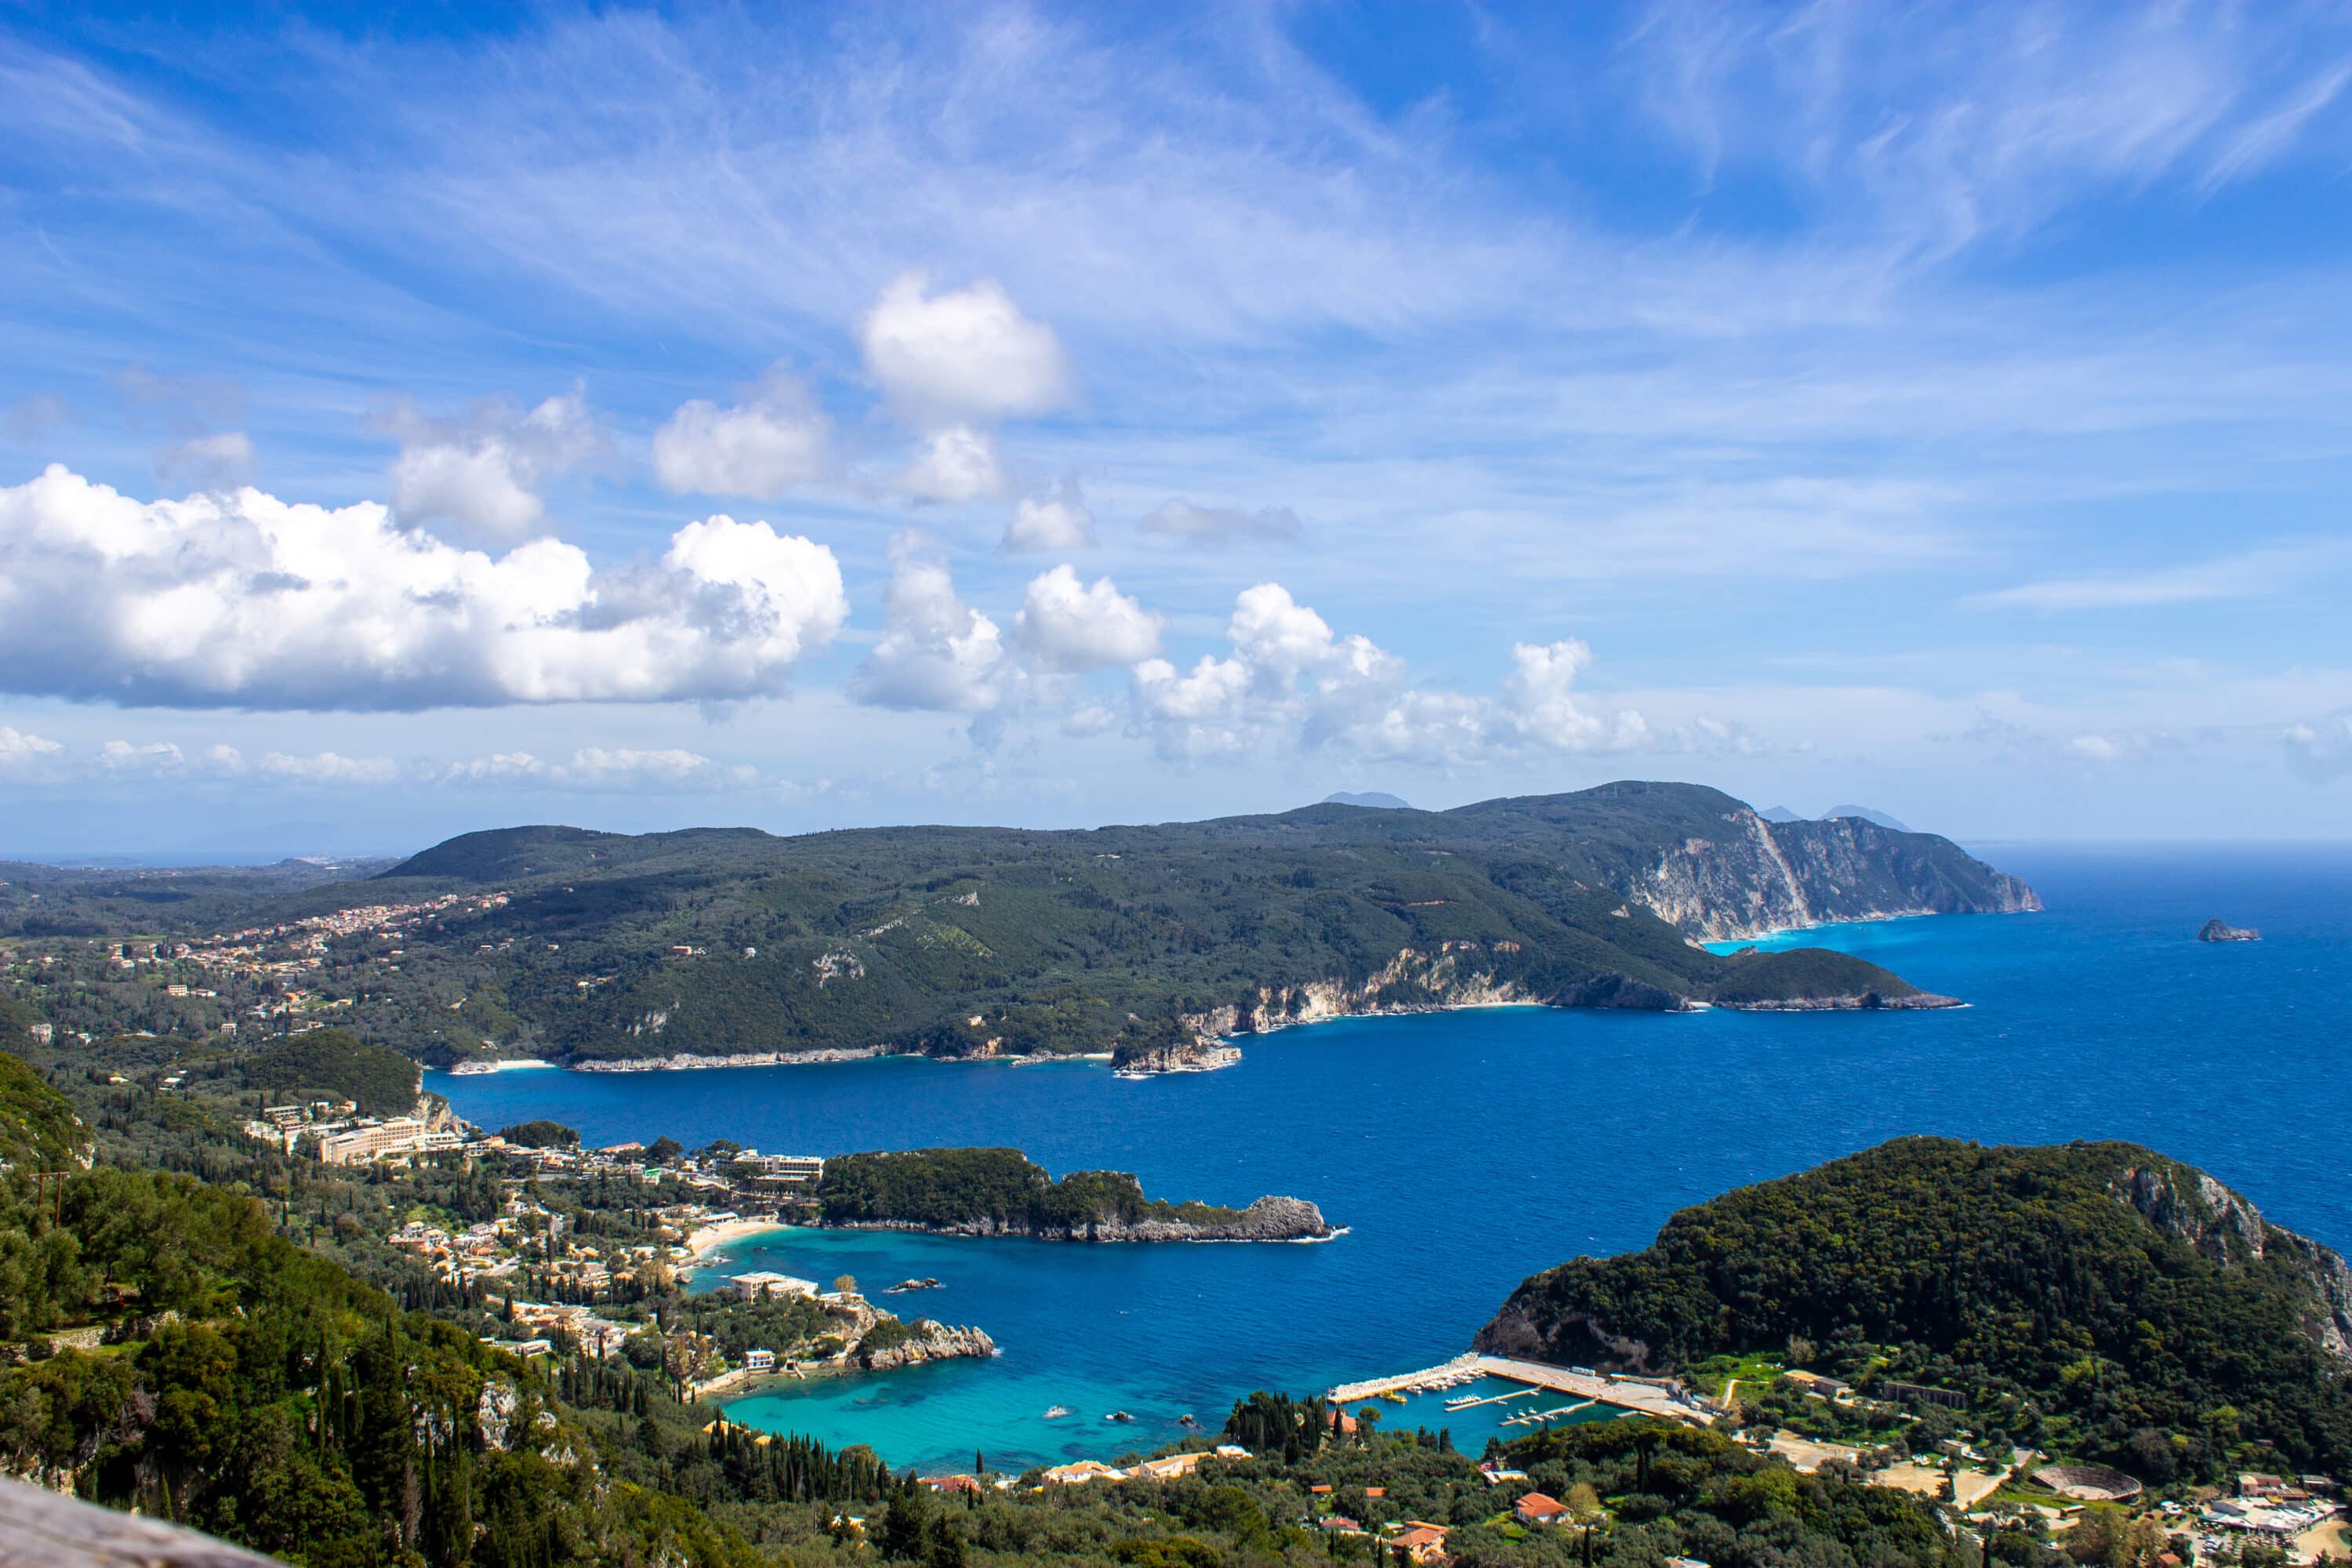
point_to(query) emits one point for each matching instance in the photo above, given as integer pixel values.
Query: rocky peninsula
(998, 1192)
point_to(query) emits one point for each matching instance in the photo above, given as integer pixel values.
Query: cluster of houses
(242, 952)
(1086, 1471)
(595, 1336)
(2275, 1508)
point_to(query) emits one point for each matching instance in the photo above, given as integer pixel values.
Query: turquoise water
(1465, 1150)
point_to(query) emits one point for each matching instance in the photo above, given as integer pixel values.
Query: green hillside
(957, 942)
(2093, 1295)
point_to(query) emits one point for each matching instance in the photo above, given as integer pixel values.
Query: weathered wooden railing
(44, 1529)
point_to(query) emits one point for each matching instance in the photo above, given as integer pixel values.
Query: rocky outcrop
(1756, 876)
(1453, 974)
(2220, 930)
(2224, 1228)
(1523, 1331)
(926, 1341)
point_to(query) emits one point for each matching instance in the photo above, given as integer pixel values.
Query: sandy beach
(707, 1239)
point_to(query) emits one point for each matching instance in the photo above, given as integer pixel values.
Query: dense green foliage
(38, 1131)
(994, 1187)
(257, 1381)
(2096, 1281)
(335, 1064)
(965, 941)
(541, 1134)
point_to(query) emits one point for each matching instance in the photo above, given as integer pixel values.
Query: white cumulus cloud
(613, 768)
(23, 753)
(479, 476)
(957, 464)
(1056, 521)
(1070, 627)
(937, 652)
(1291, 681)
(961, 356)
(329, 767)
(773, 443)
(242, 599)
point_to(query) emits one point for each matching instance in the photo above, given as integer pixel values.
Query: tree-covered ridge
(2151, 1315)
(38, 1129)
(995, 1188)
(985, 942)
(338, 1065)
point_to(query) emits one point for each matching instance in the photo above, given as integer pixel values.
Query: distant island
(2221, 931)
(1372, 800)
(998, 1192)
(2100, 1293)
(1160, 948)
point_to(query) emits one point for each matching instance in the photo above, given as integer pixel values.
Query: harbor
(1588, 1389)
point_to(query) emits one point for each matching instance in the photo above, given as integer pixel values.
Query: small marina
(1591, 1390)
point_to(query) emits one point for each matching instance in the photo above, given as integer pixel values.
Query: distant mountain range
(975, 942)
(673, 948)
(1777, 814)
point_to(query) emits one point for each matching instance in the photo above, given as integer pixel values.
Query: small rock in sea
(2221, 931)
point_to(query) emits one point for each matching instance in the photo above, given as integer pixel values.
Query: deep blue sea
(1466, 1150)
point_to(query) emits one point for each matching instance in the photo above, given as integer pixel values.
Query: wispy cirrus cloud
(2250, 576)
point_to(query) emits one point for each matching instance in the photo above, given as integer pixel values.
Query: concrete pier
(1626, 1394)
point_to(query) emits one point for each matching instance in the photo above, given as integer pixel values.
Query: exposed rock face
(2218, 931)
(2225, 1228)
(928, 1341)
(1267, 1219)
(1762, 877)
(494, 1415)
(1573, 1339)
(1413, 982)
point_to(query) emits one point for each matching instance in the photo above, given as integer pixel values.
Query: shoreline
(1888, 917)
(704, 1240)
(822, 1056)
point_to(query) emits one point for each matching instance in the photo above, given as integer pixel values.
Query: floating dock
(1641, 1397)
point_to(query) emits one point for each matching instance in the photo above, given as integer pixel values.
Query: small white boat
(1056, 1412)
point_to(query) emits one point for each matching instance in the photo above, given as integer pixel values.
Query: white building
(751, 1287)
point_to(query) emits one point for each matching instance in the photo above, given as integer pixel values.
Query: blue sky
(1058, 417)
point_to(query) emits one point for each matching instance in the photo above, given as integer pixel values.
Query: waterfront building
(759, 1361)
(751, 1287)
(1082, 1472)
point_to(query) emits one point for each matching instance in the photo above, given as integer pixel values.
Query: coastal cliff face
(2226, 1230)
(1413, 982)
(1756, 876)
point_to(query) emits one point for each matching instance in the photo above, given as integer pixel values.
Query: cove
(1466, 1150)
